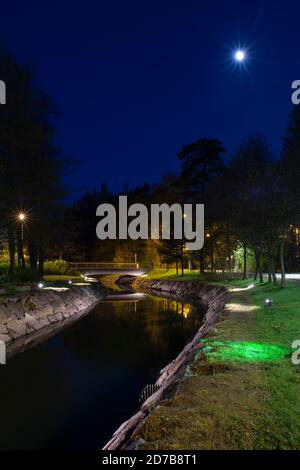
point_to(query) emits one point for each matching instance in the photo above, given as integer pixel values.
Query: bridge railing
(103, 265)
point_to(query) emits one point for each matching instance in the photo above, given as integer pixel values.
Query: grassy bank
(244, 391)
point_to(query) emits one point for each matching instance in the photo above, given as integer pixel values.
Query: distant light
(208, 235)
(70, 282)
(40, 285)
(269, 302)
(239, 55)
(21, 216)
(251, 286)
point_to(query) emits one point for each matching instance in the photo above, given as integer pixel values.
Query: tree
(31, 167)
(201, 165)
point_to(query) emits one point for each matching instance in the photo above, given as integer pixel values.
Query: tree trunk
(245, 273)
(21, 259)
(272, 274)
(258, 269)
(12, 250)
(269, 266)
(212, 257)
(181, 260)
(41, 265)
(32, 256)
(282, 264)
(201, 261)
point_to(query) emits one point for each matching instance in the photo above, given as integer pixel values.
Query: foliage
(55, 267)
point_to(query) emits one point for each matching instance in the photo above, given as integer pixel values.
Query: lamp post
(22, 217)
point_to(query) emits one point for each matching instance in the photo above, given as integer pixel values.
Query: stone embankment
(23, 315)
(213, 298)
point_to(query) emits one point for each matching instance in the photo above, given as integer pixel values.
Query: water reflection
(75, 389)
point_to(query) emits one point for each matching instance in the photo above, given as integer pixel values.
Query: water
(75, 389)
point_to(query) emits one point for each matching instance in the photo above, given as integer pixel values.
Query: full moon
(239, 55)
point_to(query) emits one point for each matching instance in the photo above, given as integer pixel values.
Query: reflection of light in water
(132, 297)
(186, 310)
(178, 307)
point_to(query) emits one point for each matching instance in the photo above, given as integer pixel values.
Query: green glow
(244, 352)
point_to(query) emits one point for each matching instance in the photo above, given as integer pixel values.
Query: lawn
(244, 390)
(61, 277)
(188, 275)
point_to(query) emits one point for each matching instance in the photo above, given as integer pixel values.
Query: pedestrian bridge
(94, 268)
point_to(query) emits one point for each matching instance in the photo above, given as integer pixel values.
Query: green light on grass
(244, 352)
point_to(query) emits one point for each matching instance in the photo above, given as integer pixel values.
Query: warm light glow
(239, 55)
(21, 216)
(208, 235)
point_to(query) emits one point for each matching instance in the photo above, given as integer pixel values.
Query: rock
(35, 323)
(5, 338)
(16, 328)
(3, 329)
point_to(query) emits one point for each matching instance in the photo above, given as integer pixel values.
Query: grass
(188, 275)
(244, 391)
(61, 277)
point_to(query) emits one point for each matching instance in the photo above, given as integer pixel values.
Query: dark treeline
(30, 169)
(252, 217)
(251, 209)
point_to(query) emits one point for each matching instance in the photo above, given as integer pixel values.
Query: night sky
(135, 80)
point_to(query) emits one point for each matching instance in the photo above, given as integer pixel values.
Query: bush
(4, 267)
(21, 274)
(57, 266)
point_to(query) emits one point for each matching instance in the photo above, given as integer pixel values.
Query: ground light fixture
(40, 285)
(269, 302)
(70, 282)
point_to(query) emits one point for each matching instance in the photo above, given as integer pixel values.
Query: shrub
(57, 266)
(4, 267)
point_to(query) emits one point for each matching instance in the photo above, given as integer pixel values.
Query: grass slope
(244, 391)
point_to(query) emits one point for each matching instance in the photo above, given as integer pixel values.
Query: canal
(75, 389)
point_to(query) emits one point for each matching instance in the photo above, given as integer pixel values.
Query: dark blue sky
(135, 80)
